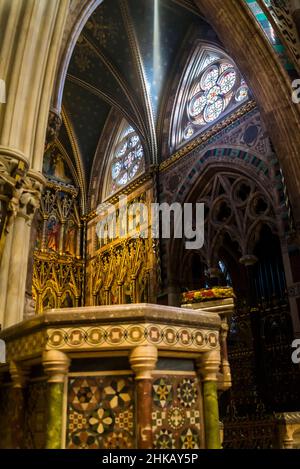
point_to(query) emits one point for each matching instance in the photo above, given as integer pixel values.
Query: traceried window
(127, 159)
(209, 90)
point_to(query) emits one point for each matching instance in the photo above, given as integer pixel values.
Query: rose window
(218, 88)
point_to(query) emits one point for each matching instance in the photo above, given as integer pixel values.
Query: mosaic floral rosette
(205, 294)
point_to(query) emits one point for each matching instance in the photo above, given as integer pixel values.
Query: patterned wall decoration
(276, 43)
(56, 269)
(281, 17)
(35, 415)
(177, 412)
(122, 268)
(101, 413)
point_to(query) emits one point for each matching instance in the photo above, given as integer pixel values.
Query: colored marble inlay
(176, 416)
(100, 413)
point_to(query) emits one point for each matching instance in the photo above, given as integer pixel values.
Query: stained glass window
(218, 85)
(127, 160)
(212, 88)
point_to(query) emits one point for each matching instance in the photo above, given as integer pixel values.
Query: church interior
(128, 341)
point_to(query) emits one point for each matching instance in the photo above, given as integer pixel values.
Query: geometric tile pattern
(123, 335)
(100, 413)
(176, 414)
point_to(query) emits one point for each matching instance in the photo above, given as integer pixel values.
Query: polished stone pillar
(56, 365)
(143, 361)
(19, 375)
(27, 201)
(208, 367)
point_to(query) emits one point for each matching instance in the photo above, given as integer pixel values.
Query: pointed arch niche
(211, 87)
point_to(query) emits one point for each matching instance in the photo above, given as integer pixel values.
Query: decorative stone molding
(209, 365)
(143, 361)
(56, 365)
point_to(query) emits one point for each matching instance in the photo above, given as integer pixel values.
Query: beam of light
(156, 45)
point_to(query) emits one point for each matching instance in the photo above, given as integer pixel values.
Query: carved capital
(143, 361)
(26, 196)
(56, 365)
(209, 365)
(19, 374)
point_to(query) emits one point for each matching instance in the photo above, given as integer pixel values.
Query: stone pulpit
(128, 376)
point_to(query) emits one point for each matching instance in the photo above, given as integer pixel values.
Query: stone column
(19, 375)
(12, 168)
(56, 365)
(143, 361)
(208, 366)
(27, 200)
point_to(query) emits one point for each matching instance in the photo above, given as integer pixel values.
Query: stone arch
(256, 60)
(210, 167)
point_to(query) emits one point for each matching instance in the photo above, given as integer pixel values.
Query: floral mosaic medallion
(164, 440)
(101, 413)
(84, 395)
(176, 414)
(187, 392)
(163, 392)
(176, 418)
(102, 420)
(189, 439)
(117, 394)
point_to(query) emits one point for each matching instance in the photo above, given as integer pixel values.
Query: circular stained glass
(123, 180)
(116, 170)
(213, 111)
(227, 81)
(128, 159)
(242, 94)
(133, 171)
(133, 141)
(121, 150)
(224, 66)
(139, 152)
(210, 78)
(212, 94)
(197, 105)
(189, 132)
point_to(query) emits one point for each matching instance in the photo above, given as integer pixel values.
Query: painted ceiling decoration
(127, 62)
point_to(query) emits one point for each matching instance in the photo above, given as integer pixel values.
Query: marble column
(56, 365)
(208, 367)
(19, 375)
(143, 361)
(27, 201)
